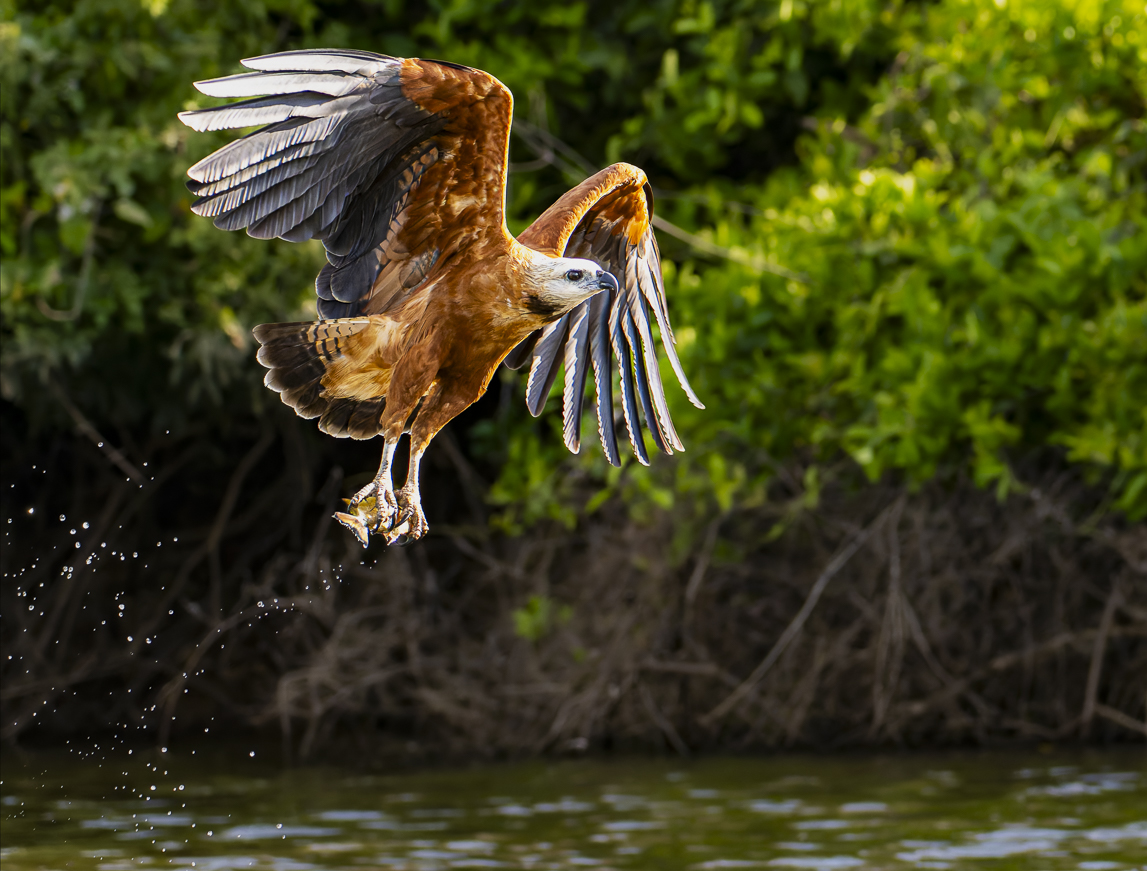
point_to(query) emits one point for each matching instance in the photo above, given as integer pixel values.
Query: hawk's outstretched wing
(393, 163)
(607, 219)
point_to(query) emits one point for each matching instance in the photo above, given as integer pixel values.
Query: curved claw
(365, 493)
(400, 534)
(410, 523)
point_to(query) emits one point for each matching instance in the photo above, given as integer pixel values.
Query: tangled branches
(878, 617)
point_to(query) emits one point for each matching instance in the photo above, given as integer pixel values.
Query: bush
(952, 282)
(942, 272)
(108, 277)
(907, 244)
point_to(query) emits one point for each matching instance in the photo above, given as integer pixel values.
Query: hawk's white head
(555, 285)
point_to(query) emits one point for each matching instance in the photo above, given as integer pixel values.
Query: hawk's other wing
(391, 162)
(606, 219)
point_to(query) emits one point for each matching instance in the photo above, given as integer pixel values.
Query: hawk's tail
(298, 356)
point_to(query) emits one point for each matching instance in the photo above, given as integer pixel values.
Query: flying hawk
(399, 166)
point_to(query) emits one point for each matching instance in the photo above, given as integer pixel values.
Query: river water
(232, 809)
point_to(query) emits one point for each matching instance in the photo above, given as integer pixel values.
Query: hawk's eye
(574, 275)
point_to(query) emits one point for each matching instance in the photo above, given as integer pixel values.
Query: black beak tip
(606, 281)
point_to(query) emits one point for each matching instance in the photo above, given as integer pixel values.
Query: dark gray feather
(625, 368)
(333, 83)
(252, 113)
(639, 318)
(333, 162)
(576, 368)
(602, 376)
(332, 309)
(547, 359)
(649, 280)
(641, 380)
(363, 63)
(265, 144)
(523, 352)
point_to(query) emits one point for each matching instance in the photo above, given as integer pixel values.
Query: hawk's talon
(410, 523)
(371, 509)
(375, 506)
(365, 493)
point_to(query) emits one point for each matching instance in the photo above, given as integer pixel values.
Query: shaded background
(903, 245)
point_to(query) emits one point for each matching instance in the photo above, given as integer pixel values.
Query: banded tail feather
(297, 356)
(353, 418)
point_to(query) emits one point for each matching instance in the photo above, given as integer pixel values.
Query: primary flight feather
(398, 165)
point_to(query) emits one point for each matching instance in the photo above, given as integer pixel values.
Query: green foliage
(110, 286)
(539, 617)
(952, 281)
(106, 283)
(933, 213)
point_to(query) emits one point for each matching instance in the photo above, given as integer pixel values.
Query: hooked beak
(606, 281)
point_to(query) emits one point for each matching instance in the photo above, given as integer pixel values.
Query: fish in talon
(355, 525)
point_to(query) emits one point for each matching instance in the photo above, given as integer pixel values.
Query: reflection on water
(166, 811)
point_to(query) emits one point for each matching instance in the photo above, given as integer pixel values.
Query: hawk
(398, 165)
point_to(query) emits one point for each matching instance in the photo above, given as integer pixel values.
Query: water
(230, 810)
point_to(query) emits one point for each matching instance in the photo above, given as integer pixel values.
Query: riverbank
(859, 615)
